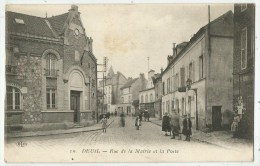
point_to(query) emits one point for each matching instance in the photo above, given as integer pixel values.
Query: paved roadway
(118, 144)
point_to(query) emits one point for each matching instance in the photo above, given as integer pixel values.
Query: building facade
(112, 93)
(198, 78)
(51, 71)
(147, 96)
(130, 94)
(157, 81)
(244, 67)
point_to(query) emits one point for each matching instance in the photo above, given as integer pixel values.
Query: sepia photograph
(129, 83)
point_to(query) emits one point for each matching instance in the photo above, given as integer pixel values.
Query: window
(183, 106)
(177, 106)
(168, 86)
(243, 7)
(201, 72)
(182, 76)
(13, 97)
(172, 105)
(129, 99)
(51, 65)
(51, 98)
(244, 48)
(142, 99)
(151, 97)
(191, 72)
(146, 98)
(189, 104)
(176, 81)
(19, 21)
(163, 88)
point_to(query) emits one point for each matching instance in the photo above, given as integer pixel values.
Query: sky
(129, 33)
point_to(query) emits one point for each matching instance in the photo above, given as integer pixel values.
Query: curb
(66, 132)
(203, 141)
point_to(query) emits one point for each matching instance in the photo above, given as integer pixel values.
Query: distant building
(244, 66)
(112, 86)
(51, 74)
(157, 81)
(198, 78)
(147, 96)
(130, 93)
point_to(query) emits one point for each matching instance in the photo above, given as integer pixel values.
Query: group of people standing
(171, 124)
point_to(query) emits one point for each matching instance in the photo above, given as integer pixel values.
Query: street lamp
(188, 83)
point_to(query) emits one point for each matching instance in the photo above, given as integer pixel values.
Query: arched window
(146, 98)
(13, 98)
(51, 65)
(142, 99)
(151, 97)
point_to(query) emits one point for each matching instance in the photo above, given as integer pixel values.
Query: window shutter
(182, 76)
(193, 71)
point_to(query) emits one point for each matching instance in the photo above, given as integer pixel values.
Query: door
(216, 117)
(75, 105)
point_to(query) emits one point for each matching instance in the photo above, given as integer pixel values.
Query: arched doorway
(76, 89)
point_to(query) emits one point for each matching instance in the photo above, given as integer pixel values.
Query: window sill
(14, 111)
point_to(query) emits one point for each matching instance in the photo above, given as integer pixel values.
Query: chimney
(74, 8)
(161, 70)
(173, 50)
(169, 58)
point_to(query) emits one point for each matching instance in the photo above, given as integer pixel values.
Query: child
(137, 122)
(104, 124)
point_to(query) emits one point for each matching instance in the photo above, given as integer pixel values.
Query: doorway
(216, 117)
(75, 105)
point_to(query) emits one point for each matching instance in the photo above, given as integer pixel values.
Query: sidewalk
(95, 127)
(218, 138)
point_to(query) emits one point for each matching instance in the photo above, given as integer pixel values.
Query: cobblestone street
(148, 144)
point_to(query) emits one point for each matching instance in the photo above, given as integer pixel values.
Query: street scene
(113, 83)
(95, 145)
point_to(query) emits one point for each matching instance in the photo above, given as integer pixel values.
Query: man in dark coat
(175, 125)
(187, 127)
(166, 124)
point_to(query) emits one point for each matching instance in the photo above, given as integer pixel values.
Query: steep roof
(110, 72)
(31, 25)
(57, 22)
(129, 83)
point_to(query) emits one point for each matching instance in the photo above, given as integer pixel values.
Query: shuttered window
(244, 48)
(182, 72)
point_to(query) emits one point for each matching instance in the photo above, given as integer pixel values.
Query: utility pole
(103, 71)
(148, 58)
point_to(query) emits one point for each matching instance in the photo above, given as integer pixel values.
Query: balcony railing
(51, 73)
(10, 70)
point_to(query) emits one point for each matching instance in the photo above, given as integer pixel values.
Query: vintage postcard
(129, 83)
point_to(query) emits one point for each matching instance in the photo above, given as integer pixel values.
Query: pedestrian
(137, 123)
(187, 127)
(166, 124)
(141, 118)
(234, 125)
(122, 119)
(104, 124)
(175, 124)
(148, 116)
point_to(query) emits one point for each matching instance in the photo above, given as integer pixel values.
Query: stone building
(198, 78)
(244, 66)
(51, 71)
(130, 93)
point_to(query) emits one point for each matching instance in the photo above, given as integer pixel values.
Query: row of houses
(209, 77)
(212, 76)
